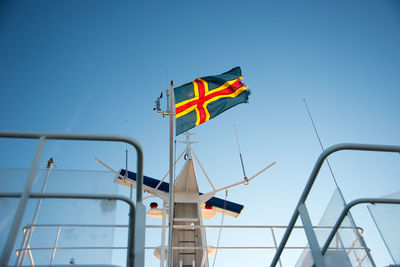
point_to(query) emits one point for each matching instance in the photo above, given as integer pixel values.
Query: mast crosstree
(189, 245)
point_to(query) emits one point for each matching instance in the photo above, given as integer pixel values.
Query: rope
(220, 229)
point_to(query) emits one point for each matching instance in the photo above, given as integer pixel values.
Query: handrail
(64, 195)
(138, 253)
(176, 248)
(313, 176)
(89, 137)
(346, 209)
(30, 226)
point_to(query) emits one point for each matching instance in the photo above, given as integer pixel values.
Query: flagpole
(171, 175)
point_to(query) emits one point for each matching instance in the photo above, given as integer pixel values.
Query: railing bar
(30, 255)
(249, 248)
(250, 227)
(275, 244)
(28, 226)
(267, 247)
(82, 196)
(72, 248)
(55, 245)
(89, 137)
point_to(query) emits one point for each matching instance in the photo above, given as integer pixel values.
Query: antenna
(241, 158)
(329, 165)
(167, 101)
(157, 103)
(320, 143)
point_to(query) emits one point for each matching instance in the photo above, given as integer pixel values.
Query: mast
(171, 175)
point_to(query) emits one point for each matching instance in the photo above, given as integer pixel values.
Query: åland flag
(204, 98)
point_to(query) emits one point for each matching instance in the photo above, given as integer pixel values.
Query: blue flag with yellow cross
(205, 98)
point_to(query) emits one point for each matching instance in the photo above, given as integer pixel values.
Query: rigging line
(165, 176)
(220, 229)
(320, 143)
(204, 172)
(240, 154)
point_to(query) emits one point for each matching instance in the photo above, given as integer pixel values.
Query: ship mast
(171, 174)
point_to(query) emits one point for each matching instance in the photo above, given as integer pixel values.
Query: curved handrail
(313, 176)
(89, 137)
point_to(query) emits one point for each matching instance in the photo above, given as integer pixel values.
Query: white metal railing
(26, 248)
(29, 229)
(136, 254)
(301, 209)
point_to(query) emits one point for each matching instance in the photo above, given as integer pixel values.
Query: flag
(204, 98)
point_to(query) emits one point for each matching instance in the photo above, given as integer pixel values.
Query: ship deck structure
(64, 217)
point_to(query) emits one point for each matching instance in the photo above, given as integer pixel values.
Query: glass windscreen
(386, 218)
(346, 248)
(66, 231)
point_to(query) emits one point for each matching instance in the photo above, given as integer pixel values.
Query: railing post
(311, 236)
(275, 244)
(55, 245)
(19, 260)
(131, 238)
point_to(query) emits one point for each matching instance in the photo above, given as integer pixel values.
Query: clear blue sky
(87, 66)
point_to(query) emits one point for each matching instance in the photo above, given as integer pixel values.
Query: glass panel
(82, 256)
(386, 218)
(346, 247)
(76, 213)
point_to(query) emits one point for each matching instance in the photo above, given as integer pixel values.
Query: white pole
(164, 216)
(171, 174)
(39, 204)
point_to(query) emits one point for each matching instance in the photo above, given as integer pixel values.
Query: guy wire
(240, 155)
(220, 229)
(320, 143)
(350, 216)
